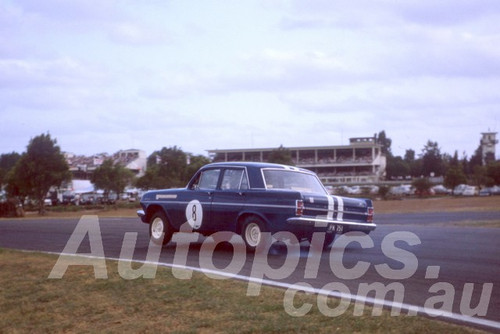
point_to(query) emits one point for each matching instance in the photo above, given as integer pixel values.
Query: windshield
(292, 180)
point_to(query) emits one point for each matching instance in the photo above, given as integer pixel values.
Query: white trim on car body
(267, 206)
(327, 221)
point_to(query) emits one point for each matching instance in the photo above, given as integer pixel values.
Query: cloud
(62, 85)
(57, 72)
(118, 74)
(364, 13)
(130, 33)
(446, 13)
(277, 71)
(72, 11)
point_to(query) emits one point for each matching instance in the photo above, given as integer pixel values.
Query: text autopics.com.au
(441, 295)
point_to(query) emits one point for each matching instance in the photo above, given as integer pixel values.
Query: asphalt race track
(423, 256)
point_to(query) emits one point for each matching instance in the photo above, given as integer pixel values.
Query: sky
(105, 75)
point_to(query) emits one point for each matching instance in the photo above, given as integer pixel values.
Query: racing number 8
(194, 214)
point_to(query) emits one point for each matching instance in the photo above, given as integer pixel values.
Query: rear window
(292, 180)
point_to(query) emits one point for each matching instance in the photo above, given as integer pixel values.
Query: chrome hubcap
(157, 228)
(253, 234)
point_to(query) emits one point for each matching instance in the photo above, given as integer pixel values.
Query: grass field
(32, 303)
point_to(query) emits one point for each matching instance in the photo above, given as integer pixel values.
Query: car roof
(255, 165)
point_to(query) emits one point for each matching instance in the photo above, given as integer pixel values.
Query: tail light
(369, 218)
(299, 207)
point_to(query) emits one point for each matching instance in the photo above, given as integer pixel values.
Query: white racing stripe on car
(340, 209)
(331, 208)
(412, 310)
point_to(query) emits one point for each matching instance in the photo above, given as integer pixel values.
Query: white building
(83, 166)
(135, 160)
(360, 162)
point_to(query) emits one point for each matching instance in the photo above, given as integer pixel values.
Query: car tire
(252, 233)
(160, 230)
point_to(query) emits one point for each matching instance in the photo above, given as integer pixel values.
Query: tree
(396, 167)
(111, 177)
(475, 160)
(454, 174)
(383, 191)
(151, 179)
(41, 167)
(432, 161)
(489, 158)
(422, 186)
(170, 167)
(172, 164)
(281, 155)
(480, 177)
(409, 156)
(195, 163)
(167, 168)
(493, 172)
(7, 162)
(415, 165)
(385, 142)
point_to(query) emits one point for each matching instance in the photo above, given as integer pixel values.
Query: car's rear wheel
(252, 233)
(160, 230)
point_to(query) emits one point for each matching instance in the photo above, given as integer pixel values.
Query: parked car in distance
(250, 199)
(402, 190)
(459, 189)
(489, 191)
(485, 192)
(441, 190)
(470, 191)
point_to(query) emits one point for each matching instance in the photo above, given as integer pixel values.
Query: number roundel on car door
(194, 214)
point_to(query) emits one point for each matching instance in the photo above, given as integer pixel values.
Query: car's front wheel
(160, 230)
(253, 233)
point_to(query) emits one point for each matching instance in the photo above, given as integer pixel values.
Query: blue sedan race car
(253, 198)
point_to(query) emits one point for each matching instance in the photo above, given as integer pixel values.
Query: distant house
(82, 167)
(135, 160)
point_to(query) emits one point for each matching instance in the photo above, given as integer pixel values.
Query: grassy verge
(72, 211)
(30, 302)
(482, 223)
(438, 204)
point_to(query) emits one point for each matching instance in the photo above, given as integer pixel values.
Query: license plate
(335, 228)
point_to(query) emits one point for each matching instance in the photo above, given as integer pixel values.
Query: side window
(244, 182)
(234, 179)
(207, 179)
